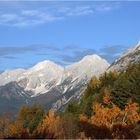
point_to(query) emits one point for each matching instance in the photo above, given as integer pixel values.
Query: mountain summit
(50, 84)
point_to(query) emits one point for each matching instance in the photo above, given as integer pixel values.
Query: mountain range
(47, 83)
(54, 86)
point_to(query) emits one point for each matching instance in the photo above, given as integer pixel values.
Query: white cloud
(80, 11)
(44, 14)
(26, 18)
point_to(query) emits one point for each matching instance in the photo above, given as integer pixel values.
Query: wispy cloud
(10, 57)
(72, 53)
(62, 55)
(75, 55)
(51, 12)
(26, 18)
(79, 11)
(11, 51)
(110, 53)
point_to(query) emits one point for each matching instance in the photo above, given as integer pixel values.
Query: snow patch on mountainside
(10, 75)
(130, 56)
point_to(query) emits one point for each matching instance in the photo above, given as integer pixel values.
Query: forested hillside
(122, 87)
(109, 108)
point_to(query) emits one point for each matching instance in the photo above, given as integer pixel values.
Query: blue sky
(64, 32)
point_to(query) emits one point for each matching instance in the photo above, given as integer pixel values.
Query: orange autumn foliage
(106, 97)
(95, 82)
(111, 120)
(108, 116)
(83, 118)
(49, 127)
(111, 114)
(4, 122)
(14, 130)
(56, 127)
(105, 116)
(131, 114)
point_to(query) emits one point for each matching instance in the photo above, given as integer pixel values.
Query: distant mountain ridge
(50, 84)
(130, 56)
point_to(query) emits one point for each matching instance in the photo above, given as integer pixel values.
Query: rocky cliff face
(130, 56)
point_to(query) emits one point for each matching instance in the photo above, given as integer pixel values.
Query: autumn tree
(108, 79)
(131, 115)
(26, 122)
(30, 116)
(107, 115)
(4, 123)
(49, 127)
(106, 97)
(14, 130)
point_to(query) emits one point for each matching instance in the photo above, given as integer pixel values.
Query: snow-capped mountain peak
(47, 64)
(91, 57)
(79, 73)
(88, 60)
